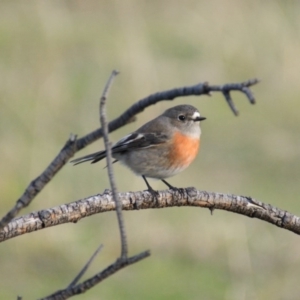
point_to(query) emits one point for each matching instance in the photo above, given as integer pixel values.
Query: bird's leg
(171, 187)
(150, 189)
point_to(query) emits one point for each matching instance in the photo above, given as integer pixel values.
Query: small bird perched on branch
(159, 149)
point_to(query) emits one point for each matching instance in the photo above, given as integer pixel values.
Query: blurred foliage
(55, 57)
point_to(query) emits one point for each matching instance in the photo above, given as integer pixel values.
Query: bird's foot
(181, 191)
(154, 193)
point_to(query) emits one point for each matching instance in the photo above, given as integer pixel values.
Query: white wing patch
(132, 140)
(127, 139)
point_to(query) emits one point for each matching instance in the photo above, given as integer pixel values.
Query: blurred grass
(55, 57)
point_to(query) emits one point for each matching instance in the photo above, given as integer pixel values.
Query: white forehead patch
(196, 115)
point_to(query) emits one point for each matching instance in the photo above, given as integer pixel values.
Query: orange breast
(184, 150)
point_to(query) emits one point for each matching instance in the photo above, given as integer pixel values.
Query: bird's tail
(94, 157)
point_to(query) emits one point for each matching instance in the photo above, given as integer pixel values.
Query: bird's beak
(198, 119)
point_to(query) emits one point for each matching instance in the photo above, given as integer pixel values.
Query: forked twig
(242, 87)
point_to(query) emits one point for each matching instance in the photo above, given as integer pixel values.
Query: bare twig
(242, 87)
(102, 111)
(101, 203)
(110, 168)
(73, 145)
(84, 269)
(91, 282)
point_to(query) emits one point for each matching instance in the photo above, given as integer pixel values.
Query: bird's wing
(132, 141)
(139, 140)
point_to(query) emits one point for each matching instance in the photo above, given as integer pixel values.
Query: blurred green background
(55, 57)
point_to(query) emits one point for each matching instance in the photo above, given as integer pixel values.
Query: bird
(161, 148)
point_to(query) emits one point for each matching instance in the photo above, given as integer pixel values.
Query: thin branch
(91, 282)
(242, 87)
(84, 269)
(230, 102)
(113, 186)
(73, 145)
(101, 203)
(102, 112)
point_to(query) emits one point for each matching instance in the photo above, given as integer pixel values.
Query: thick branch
(74, 211)
(73, 145)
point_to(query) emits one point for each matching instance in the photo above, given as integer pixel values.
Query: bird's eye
(181, 117)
